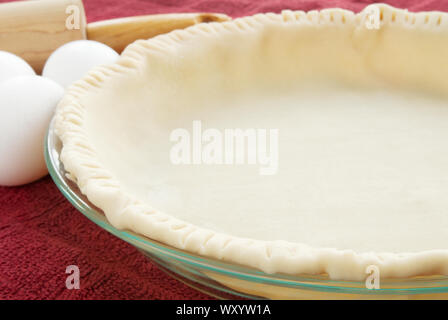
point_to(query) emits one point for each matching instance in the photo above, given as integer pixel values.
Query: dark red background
(41, 233)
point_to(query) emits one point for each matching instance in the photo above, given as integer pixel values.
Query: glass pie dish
(224, 280)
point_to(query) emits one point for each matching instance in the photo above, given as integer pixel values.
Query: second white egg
(73, 60)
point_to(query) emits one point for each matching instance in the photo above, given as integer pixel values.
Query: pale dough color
(363, 141)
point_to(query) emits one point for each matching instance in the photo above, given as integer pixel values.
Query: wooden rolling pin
(34, 29)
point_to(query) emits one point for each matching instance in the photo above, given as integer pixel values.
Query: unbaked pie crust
(362, 116)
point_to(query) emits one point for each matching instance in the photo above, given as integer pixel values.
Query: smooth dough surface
(356, 170)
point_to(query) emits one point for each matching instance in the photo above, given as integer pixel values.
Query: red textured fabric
(41, 233)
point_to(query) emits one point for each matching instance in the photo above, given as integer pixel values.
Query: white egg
(12, 66)
(27, 104)
(73, 60)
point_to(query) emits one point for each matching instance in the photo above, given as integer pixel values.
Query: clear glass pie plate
(224, 280)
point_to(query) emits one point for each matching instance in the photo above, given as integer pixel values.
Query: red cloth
(41, 233)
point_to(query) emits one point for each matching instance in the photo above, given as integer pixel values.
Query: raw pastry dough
(363, 155)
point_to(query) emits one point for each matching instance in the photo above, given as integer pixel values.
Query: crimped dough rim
(123, 210)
